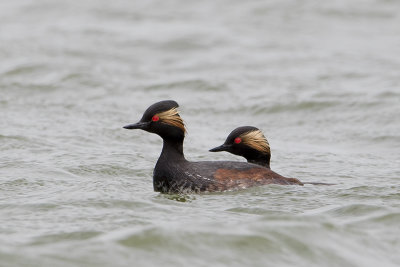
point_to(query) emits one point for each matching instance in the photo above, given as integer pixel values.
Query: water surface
(320, 79)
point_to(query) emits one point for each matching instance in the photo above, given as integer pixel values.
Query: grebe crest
(170, 117)
(256, 139)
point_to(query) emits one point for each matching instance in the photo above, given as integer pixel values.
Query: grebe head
(246, 141)
(162, 118)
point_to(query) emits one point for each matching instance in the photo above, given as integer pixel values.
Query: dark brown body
(174, 174)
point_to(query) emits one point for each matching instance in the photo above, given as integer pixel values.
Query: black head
(248, 142)
(162, 118)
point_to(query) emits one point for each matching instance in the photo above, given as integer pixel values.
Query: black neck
(263, 160)
(172, 150)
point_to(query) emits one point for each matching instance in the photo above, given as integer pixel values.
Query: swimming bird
(250, 143)
(174, 174)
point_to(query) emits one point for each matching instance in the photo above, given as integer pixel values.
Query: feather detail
(256, 140)
(172, 118)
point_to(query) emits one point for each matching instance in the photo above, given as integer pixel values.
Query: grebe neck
(172, 150)
(264, 159)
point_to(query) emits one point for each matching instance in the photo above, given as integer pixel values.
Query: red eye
(238, 140)
(155, 118)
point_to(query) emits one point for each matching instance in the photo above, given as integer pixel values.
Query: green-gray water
(320, 78)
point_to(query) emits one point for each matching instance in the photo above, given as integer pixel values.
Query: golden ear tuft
(172, 117)
(256, 140)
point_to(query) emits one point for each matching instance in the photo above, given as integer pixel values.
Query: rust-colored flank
(237, 179)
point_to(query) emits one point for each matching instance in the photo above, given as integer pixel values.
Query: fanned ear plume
(256, 140)
(172, 117)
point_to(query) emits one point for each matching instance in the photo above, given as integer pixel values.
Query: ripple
(387, 219)
(299, 106)
(24, 69)
(104, 169)
(356, 210)
(62, 237)
(257, 211)
(200, 85)
(177, 240)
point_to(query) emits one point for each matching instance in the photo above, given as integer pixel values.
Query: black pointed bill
(220, 148)
(138, 125)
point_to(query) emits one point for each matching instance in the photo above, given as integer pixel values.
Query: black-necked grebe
(250, 143)
(174, 174)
